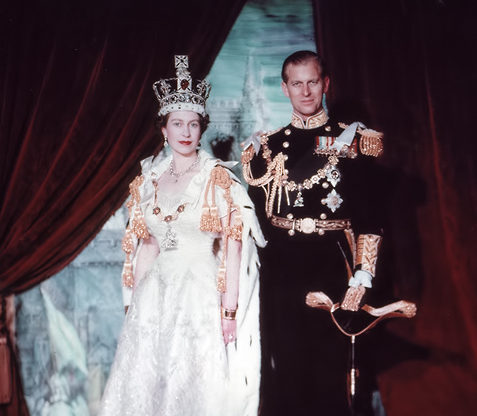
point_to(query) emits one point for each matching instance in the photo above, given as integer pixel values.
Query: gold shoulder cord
(137, 226)
(210, 220)
(275, 172)
(248, 154)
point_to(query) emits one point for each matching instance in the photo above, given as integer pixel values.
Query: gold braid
(275, 172)
(137, 226)
(210, 220)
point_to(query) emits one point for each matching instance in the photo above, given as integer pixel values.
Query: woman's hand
(229, 330)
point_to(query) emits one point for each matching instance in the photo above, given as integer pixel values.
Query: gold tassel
(128, 277)
(215, 226)
(210, 220)
(205, 219)
(235, 230)
(127, 244)
(137, 226)
(128, 247)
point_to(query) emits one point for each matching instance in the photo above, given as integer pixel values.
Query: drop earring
(165, 141)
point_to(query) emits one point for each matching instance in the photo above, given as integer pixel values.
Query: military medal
(299, 198)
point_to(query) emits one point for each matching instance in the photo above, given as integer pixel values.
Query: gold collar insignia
(311, 122)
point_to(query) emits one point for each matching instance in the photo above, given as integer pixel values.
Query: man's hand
(353, 298)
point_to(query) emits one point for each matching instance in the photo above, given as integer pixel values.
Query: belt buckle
(307, 225)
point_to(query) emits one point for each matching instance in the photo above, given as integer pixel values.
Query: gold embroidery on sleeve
(367, 249)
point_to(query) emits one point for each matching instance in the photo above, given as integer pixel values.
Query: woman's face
(183, 132)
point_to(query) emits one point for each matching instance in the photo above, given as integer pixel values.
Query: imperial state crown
(182, 92)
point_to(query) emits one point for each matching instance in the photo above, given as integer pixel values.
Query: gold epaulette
(271, 132)
(249, 153)
(371, 142)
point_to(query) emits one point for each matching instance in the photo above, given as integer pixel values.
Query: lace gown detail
(171, 358)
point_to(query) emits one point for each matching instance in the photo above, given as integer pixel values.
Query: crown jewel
(181, 93)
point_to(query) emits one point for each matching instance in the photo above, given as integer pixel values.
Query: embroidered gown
(171, 357)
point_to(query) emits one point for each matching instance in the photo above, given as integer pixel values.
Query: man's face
(305, 88)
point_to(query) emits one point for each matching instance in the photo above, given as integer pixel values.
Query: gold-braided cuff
(367, 249)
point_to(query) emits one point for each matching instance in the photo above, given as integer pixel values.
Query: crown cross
(184, 79)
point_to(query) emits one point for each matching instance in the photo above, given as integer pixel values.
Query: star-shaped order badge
(333, 175)
(333, 200)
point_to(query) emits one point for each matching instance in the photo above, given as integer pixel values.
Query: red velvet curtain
(409, 68)
(77, 114)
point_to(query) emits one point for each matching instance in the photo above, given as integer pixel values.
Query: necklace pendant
(170, 240)
(299, 200)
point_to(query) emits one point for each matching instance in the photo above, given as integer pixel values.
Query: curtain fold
(406, 67)
(77, 114)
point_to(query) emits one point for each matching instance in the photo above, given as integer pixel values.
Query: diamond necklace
(177, 175)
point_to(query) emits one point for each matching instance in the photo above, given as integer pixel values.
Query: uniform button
(287, 132)
(325, 185)
(323, 216)
(285, 145)
(321, 231)
(328, 128)
(290, 216)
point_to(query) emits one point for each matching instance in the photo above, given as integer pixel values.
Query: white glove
(361, 277)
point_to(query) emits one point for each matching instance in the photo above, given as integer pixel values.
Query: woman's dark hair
(302, 57)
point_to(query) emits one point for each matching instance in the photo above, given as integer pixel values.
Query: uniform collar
(312, 122)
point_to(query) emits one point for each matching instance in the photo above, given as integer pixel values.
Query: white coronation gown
(171, 358)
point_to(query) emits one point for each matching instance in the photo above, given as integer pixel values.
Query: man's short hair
(302, 57)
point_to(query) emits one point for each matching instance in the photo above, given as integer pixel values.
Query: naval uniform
(312, 185)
